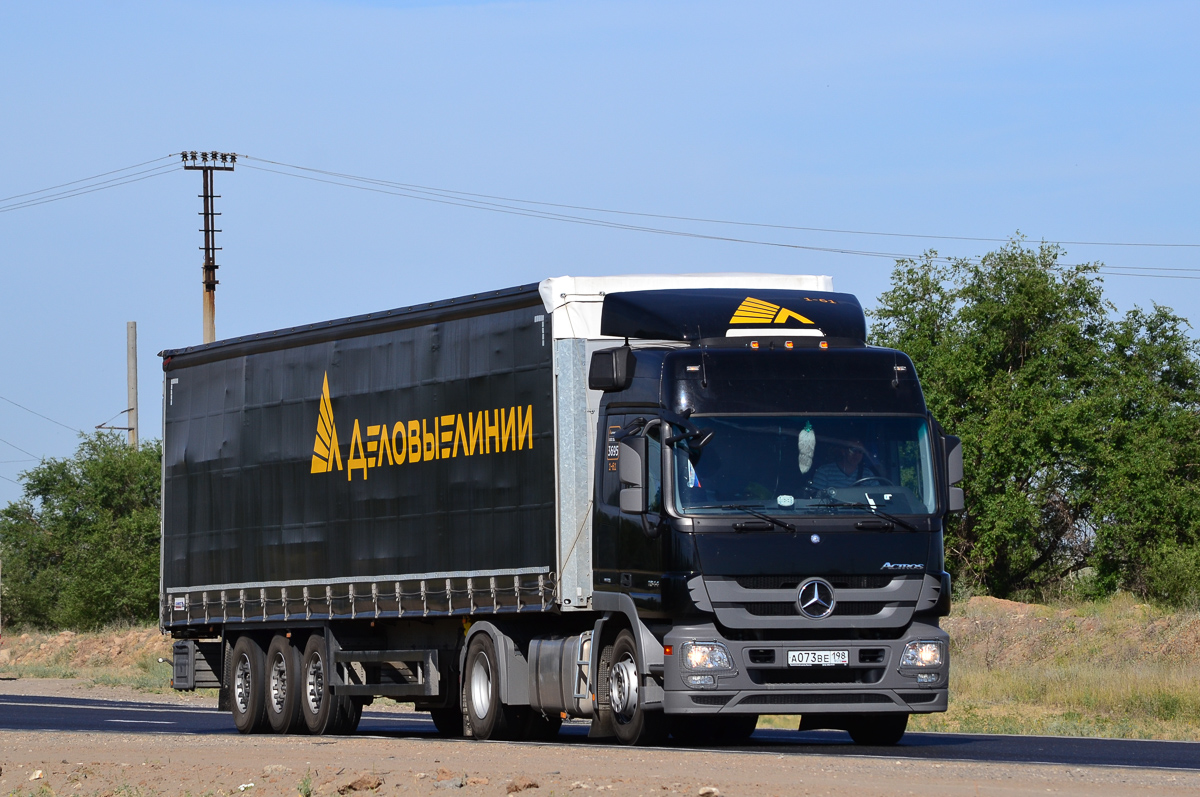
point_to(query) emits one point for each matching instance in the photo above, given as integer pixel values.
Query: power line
(23, 451)
(12, 461)
(14, 481)
(537, 214)
(432, 195)
(35, 412)
(86, 179)
(103, 185)
(448, 191)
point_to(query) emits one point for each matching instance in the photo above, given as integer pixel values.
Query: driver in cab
(847, 468)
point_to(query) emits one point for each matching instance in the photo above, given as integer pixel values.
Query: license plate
(818, 658)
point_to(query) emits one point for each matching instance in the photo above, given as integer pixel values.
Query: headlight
(925, 653)
(706, 656)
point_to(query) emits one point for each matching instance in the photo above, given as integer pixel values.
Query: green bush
(80, 547)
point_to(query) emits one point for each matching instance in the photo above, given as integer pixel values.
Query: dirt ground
(153, 764)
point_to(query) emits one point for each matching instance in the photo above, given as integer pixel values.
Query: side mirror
(954, 462)
(631, 469)
(611, 369)
(954, 473)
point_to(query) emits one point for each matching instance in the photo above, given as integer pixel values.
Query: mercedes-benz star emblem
(815, 599)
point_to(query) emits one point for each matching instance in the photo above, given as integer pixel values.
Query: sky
(1061, 121)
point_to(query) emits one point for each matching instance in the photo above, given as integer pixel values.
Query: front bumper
(763, 683)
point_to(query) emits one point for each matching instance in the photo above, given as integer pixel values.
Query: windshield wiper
(749, 510)
(833, 502)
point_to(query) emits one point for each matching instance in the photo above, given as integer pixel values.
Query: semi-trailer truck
(667, 504)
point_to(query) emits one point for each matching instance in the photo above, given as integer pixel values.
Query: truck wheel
(631, 722)
(489, 718)
(319, 707)
(247, 687)
(878, 730)
(283, 684)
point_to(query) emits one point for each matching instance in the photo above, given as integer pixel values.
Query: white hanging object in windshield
(693, 479)
(808, 446)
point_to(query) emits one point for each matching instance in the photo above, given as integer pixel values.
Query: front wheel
(878, 730)
(631, 722)
(489, 718)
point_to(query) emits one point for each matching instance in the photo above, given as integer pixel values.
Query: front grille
(789, 609)
(823, 675)
(807, 698)
(872, 581)
(711, 700)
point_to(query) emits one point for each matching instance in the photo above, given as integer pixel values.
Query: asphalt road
(56, 714)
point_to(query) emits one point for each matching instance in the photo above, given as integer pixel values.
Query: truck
(661, 504)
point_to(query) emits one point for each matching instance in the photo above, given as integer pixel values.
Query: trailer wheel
(247, 687)
(319, 707)
(489, 718)
(283, 686)
(631, 722)
(878, 730)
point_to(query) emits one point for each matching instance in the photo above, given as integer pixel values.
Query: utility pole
(131, 380)
(206, 163)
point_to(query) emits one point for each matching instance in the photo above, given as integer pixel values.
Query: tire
(631, 722)
(448, 721)
(247, 690)
(349, 716)
(489, 718)
(320, 709)
(283, 686)
(878, 730)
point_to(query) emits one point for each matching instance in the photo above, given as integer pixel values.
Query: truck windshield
(806, 465)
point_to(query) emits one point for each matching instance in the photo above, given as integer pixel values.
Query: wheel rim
(623, 689)
(481, 685)
(241, 684)
(278, 683)
(314, 683)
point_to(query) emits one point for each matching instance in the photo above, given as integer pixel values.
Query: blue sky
(1069, 121)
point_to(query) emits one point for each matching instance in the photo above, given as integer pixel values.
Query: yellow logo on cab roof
(756, 311)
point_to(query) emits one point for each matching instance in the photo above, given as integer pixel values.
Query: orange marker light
(754, 344)
(824, 344)
(788, 344)
(668, 650)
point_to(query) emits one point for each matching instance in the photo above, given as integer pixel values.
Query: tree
(80, 547)
(1077, 427)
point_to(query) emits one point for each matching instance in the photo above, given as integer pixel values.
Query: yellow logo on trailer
(325, 447)
(441, 437)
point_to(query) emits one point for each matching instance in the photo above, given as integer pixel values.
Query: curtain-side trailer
(667, 503)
